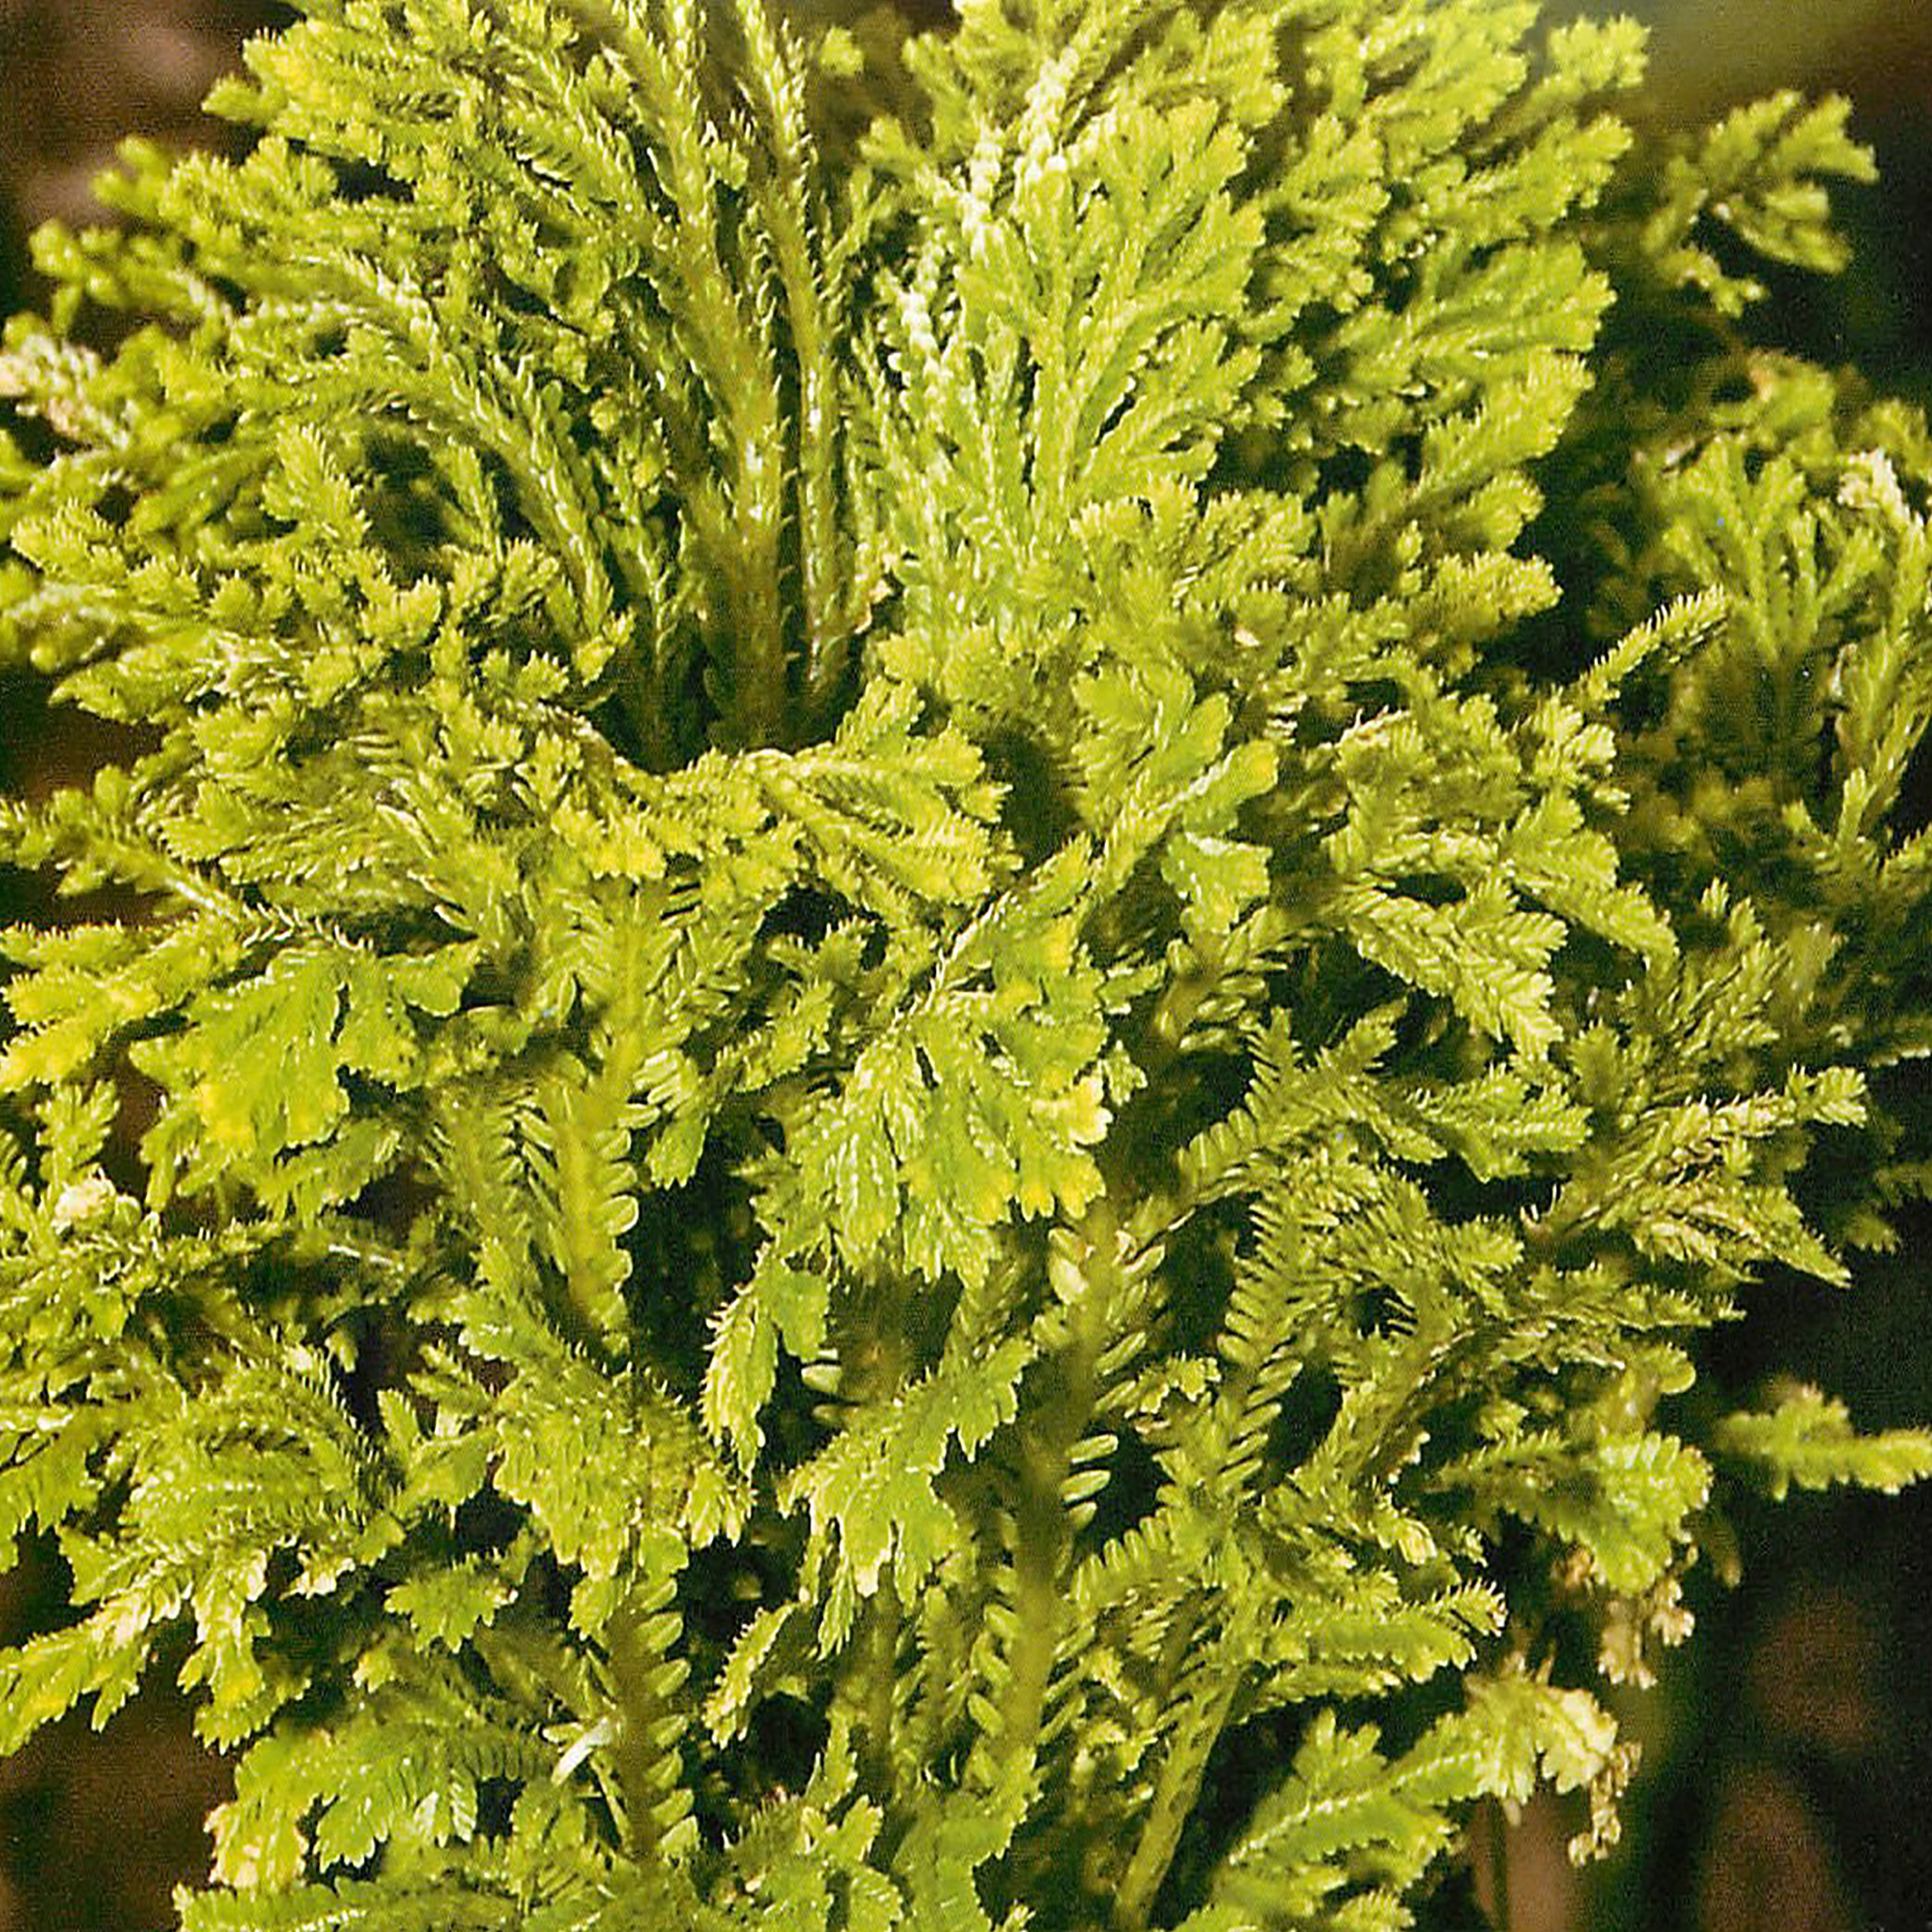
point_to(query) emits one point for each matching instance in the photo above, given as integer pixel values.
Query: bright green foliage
(984, 881)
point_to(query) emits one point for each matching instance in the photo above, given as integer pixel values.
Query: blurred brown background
(77, 74)
(1790, 1753)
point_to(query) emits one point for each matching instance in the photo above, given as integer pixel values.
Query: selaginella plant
(977, 886)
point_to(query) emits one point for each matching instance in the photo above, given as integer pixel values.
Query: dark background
(1789, 1750)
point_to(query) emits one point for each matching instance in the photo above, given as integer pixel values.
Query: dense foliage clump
(977, 885)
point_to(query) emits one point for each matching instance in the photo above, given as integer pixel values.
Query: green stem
(881, 1674)
(645, 1756)
(1180, 1774)
(1039, 1547)
(1499, 1867)
(1040, 1535)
